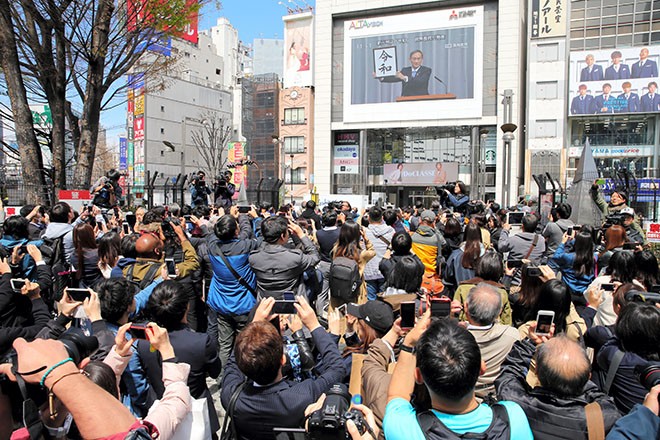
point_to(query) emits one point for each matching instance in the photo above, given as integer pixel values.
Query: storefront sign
(636, 151)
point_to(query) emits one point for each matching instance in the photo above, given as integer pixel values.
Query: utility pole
(508, 128)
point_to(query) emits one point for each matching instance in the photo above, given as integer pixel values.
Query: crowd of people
(397, 323)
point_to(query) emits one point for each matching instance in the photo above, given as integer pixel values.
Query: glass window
(298, 175)
(294, 116)
(294, 144)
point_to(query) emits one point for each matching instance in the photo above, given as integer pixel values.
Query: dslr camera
(613, 219)
(329, 422)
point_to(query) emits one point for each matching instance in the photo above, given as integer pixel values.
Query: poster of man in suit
(627, 77)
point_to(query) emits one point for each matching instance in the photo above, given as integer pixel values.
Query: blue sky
(252, 18)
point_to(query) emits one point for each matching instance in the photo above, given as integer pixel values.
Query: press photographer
(223, 191)
(199, 191)
(106, 191)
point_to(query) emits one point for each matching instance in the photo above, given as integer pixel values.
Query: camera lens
(78, 345)
(649, 376)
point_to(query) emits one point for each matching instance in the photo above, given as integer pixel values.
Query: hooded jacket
(518, 246)
(553, 234)
(374, 231)
(427, 245)
(550, 416)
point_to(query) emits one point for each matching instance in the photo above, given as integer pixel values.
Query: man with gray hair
(483, 306)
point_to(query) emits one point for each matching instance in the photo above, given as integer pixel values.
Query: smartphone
(187, 217)
(126, 227)
(577, 228)
(544, 321)
(78, 294)
(533, 272)
(569, 231)
(513, 264)
(407, 314)
(607, 287)
(284, 307)
(440, 307)
(244, 209)
(342, 309)
(17, 284)
(167, 228)
(276, 323)
(631, 246)
(171, 267)
(130, 219)
(515, 218)
(138, 331)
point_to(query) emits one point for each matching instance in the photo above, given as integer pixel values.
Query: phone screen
(607, 287)
(78, 294)
(138, 331)
(569, 231)
(512, 264)
(544, 322)
(515, 218)
(408, 314)
(17, 284)
(342, 309)
(284, 307)
(441, 307)
(127, 228)
(171, 267)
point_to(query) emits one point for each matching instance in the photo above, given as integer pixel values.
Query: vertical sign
(123, 154)
(298, 45)
(346, 158)
(548, 18)
(236, 153)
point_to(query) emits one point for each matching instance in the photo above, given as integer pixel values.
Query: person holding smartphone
(577, 266)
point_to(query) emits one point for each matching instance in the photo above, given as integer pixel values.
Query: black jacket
(550, 416)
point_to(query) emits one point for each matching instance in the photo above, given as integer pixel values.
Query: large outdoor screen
(614, 81)
(424, 65)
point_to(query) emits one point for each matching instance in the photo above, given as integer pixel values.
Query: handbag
(228, 431)
(195, 425)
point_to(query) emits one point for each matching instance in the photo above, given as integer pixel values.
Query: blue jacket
(564, 261)
(27, 264)
(226, 294)
(639, 424)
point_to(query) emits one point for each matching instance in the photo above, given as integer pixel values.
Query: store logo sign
(361, 24)
(462, 14)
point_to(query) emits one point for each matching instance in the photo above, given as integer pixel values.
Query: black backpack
(344, 279)
(55, 257)
(499, 428)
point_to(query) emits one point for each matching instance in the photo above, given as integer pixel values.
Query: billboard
(614, 81)
(420, 174)
(346, 153)
(548, 18)
(298, 45)
(236, 153)
(423, 65)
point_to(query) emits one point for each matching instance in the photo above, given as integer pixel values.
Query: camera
(649, 375)
(643, 297)
(329, 422)
(613, 219)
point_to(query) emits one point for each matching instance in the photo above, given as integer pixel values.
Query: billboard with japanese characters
(614, 81)
(421, 65)
(548, 18)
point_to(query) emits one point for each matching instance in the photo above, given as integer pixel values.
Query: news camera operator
(223, 191)
(199, 191)
(106, 191)
(456, 196)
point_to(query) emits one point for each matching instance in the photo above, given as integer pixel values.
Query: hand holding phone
(440, 307)
(78, 294)
(544, 321)
(407, 314)
(171, 268)
(138, 331)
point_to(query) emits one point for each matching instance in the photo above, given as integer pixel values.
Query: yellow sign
(139, 105)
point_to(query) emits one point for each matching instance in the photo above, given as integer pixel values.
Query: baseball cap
(428, 215)
(628, 211)
(378, 314)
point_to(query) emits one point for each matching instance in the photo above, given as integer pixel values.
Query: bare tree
(211, 142)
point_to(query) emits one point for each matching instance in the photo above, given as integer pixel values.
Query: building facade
(267, 56)
(397, 136)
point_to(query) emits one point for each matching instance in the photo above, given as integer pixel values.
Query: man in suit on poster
(582, 104)
(651, 101)
(593, 72)
(414, 79)
(605, 103)
(644, 68)
(617, 70)
(628, 101)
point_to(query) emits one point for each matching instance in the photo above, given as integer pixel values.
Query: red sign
(139, 17)
(653, 234)
(138, 126)
(74, 194)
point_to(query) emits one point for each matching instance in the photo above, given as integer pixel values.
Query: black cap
(378, 314)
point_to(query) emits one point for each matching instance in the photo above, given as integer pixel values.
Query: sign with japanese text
(548, 18)
(346, 153)
(385, 61)
(123, 154)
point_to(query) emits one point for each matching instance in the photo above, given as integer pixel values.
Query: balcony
(294, 122)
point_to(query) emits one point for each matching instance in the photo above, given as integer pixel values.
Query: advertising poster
(235, 153)
(548, 18)
(123, 154)
(346, 153)
(424, 65)
(298, 44)
(420, 174)
(614, 81)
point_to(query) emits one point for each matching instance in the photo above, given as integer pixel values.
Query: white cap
(628, 211)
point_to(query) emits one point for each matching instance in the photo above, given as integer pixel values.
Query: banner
(346, 153)
(548, 18)
(140, 17)
(614, 81)
(298, 45)
(235, 153)
(424, 65)
(123, 154)
(420, 174)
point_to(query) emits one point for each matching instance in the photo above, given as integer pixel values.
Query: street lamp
(291, 175)
(508, 128)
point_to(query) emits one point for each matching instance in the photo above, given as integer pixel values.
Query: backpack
(55, 257)
(499, 427)
(149, 277)
(344, 279)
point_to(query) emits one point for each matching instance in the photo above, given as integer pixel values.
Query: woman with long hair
(463, 261)
(109, 252)
(524, 300)
(495, 228)
(615, 237)
(577, 266)
(458, 198)
(648, 272)
(350, 245)
(453, 233)
(85, 258)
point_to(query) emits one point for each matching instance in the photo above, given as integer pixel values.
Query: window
(298, 175)
(294, 144)
(294, 116)
(162, 108)
(217, 71)
(162, 130)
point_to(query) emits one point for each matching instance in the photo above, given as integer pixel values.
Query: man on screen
(651, 101)
(617, 70)
(414, 79)
(583, 103)
(593, 72)
(605, 103)
(644, 68)
(628, 101)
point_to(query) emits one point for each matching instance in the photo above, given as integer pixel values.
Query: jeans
(224, 329)
(374, 287)
(323, 297)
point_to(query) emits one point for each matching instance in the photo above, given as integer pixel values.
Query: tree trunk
(94, 91)
(31, 161)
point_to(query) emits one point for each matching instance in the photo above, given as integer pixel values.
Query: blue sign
(123, 154)
(157, 45)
